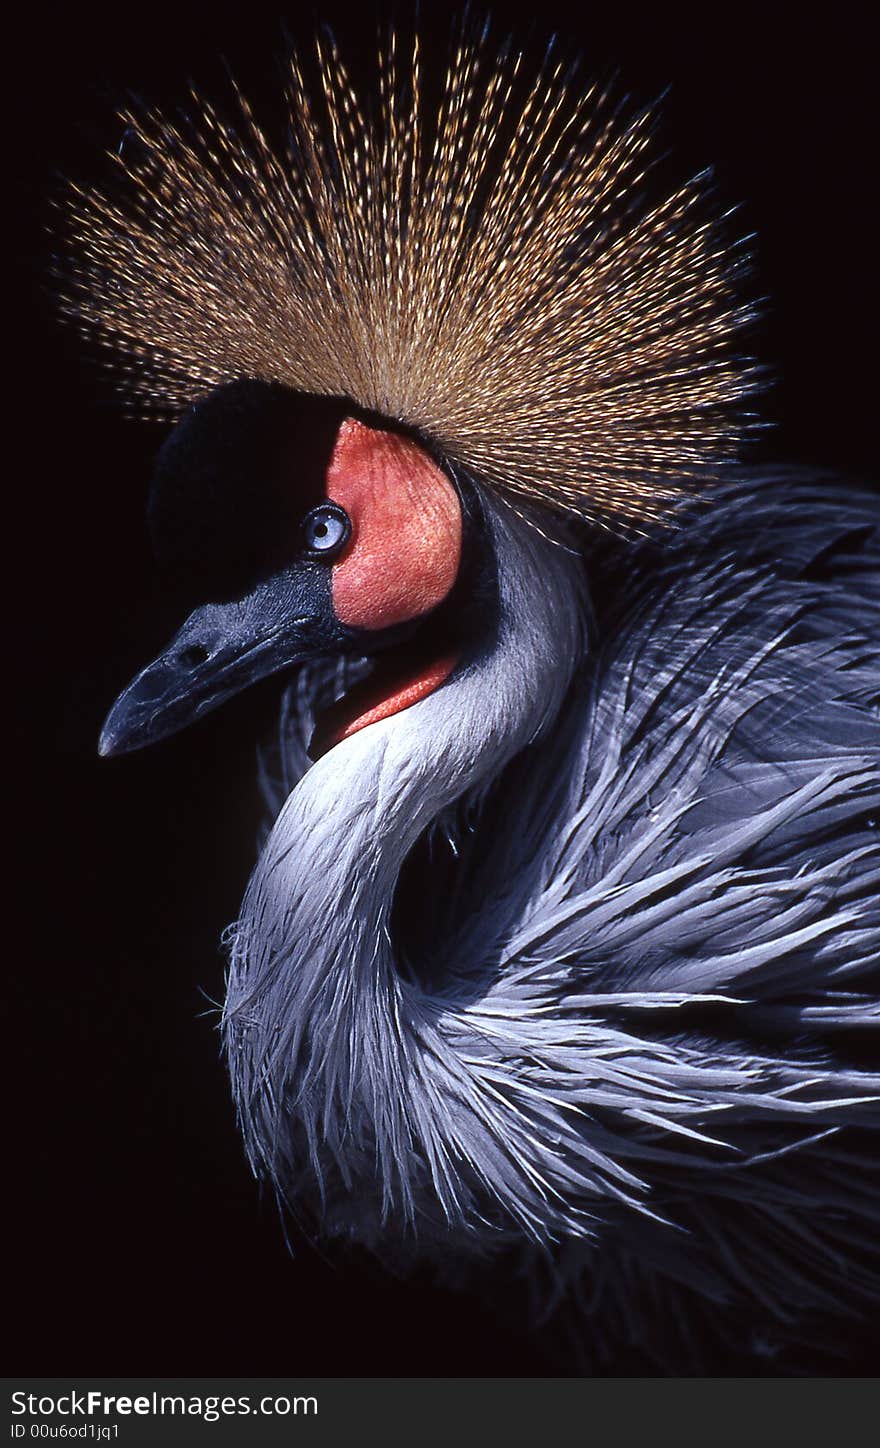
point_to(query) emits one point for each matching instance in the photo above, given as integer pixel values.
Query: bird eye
(326, 529)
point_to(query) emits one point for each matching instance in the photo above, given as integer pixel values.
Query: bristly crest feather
(480, 264)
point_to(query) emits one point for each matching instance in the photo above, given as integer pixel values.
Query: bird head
(307, 527)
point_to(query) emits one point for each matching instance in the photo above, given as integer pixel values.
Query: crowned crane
(568, 910)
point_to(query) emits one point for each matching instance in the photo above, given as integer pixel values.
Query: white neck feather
(347, 827)
(313, 937)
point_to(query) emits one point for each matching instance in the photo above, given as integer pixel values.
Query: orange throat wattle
(400, 680)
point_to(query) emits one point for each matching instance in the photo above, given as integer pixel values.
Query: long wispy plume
(477, 255)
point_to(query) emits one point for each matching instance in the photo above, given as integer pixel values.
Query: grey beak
(218, 653)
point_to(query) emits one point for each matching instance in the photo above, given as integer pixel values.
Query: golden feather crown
(481, 266)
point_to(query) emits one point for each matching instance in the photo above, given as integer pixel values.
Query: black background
(139, 1240)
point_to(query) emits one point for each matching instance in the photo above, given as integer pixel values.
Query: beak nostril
(192, 656)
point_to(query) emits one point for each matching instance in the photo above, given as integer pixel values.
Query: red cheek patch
(404, 553)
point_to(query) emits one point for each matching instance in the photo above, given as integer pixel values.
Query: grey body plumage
(640, 943)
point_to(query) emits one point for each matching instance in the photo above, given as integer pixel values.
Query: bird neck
(313, 989)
